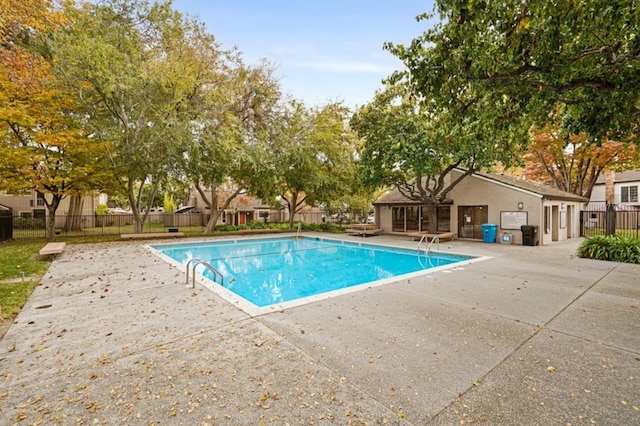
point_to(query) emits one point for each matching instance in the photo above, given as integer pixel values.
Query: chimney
(609, 181)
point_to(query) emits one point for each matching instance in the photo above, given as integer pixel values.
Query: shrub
(28, 223)
(612, 248)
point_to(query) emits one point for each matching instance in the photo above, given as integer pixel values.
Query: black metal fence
(194, 223)
(109, 224)
(597, 218)
(6, 224)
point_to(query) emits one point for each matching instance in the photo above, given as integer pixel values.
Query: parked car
(371, 219)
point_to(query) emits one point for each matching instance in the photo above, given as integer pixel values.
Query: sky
(324, 50)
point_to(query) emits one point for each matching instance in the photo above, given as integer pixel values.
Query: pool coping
(254, 310)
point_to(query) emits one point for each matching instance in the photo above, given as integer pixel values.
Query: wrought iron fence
(194, 223)
(623, 220)
(108, 224)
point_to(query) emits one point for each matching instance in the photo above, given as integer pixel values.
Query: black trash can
(529, 235)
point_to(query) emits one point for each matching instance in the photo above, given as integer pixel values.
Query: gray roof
(546, 192)
(395, 197)
(628, 176)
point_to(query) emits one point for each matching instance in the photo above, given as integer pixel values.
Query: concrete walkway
(532, 336)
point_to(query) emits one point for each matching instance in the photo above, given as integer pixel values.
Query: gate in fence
(598, 219)
(6, 223)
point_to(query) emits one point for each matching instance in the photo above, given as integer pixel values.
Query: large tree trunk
(213, 203)
(52, 208)
(215, 214)
(293, 203)
(73, 221)
(431, 210)
(139, 211)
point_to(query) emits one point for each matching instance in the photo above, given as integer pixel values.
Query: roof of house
(546, 192)
(628, 176)
(395, 197)
(247, 203)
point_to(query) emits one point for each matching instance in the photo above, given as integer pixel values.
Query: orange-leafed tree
(42, 142)
(571, 162)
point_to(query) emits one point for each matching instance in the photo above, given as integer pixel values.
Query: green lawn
(21, 257)
(18, 259)
(13, 296)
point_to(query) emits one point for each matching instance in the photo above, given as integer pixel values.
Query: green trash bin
(489, 232)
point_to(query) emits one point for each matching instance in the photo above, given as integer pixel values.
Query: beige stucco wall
(475, 191)
(29, 202)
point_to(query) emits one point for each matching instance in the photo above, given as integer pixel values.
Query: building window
(629, 194)
(40, 200)
(397, 219)
(444, 218)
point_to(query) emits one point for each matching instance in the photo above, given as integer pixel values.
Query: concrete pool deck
(533, 335)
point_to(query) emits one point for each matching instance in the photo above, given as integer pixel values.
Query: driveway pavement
(532, 336)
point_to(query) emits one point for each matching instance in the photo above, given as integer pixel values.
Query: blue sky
(324, 50)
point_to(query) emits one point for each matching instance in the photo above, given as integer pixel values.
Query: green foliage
(168, 204)
(510, 60)
(323, 227)
(28, 223)
(311, 156)
(140, 68)
(612, 248)
(102, 209)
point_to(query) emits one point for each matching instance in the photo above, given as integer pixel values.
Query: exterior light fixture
(520, 205)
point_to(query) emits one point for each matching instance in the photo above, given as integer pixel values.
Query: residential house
(243, 209)
(625, 191)
(30, 204)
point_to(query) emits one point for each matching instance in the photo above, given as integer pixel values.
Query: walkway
(532, 336)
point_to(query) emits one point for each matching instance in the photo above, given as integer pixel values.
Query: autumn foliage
(571, 162)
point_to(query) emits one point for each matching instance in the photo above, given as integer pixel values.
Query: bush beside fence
(190, 223)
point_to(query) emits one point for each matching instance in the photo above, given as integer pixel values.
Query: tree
(310, 152)
(225, 158)
(536, 55)
(136, 67)
(44, 145)
(413, 149)
(570, 163)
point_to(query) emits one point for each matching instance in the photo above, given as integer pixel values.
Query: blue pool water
(276, 270)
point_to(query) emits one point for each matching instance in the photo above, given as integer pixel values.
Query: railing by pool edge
(207, 265)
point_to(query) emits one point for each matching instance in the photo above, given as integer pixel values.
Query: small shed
(6, 223)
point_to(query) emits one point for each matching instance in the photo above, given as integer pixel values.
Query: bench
(52, 249)
(364, 232)
(442, 236)
(145, 235)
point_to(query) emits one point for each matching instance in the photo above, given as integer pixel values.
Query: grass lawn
(18, 259)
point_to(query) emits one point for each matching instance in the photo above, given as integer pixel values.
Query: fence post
(610, 221)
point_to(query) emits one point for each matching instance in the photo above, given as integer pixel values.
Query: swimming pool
(274, 271)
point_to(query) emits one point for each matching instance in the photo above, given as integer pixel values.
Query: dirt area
(5, 323)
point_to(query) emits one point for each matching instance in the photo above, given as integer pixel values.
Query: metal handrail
(425, 239)
(436, 238)
(189, 263)
(207, 265)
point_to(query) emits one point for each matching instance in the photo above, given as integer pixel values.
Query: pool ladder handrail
(425, 239)
(207, 265)
(299, 230)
